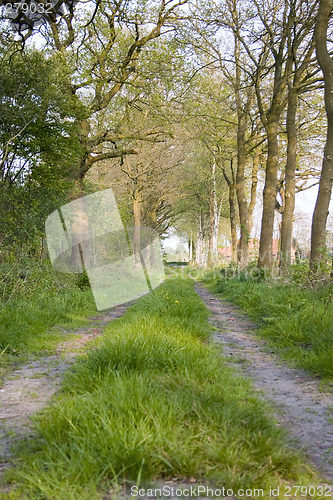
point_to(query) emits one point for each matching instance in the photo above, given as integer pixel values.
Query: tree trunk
(199, 250)
(267, 224)
(288, 212)
(136, 199)
(77, 213)
(190, 249)
(233, 225)
(243, 248)
(288, 192)
(80, 235)
(318, 230)
(43, 253)
(213, 220)
(232, 207)
(151, 218)
(270, 119)
(254, 183)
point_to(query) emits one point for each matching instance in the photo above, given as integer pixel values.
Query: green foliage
(299, 272)
(154, 401)
(82, 281)
(296, 320)
(39, 298)
(37, 115)
(21, 278)
(39, 143)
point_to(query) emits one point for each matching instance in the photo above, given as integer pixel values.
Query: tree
(231, 183)
(205, 125)
(303, 79)
(277, 24)
(38, 143)
(244, 95)
(105, 49)
(214, 218)
(227, 61)
(319, 220)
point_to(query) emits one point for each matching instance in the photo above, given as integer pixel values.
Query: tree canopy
(185, 108)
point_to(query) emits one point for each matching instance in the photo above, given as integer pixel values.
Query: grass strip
(155, 400)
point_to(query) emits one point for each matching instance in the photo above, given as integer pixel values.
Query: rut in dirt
(31, 387)
(299, 406)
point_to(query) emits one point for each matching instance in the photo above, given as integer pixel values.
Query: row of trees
(271, 61)
(182, 108)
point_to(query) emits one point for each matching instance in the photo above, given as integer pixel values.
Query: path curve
(300, 407)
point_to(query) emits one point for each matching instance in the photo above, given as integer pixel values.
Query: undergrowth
(45, 299)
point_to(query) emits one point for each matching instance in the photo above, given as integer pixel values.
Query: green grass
(154, 400)
(25, 322)
(31, 319)
(297, 321)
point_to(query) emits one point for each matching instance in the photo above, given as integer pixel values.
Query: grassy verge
(28, 318)
(153, 401)
(295, 320)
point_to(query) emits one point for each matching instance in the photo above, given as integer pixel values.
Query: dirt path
(30, 388)
(306, 412)
(300, 407)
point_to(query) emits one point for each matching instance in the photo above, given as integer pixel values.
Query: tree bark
(319, 220)
(233, 224)
(199, 250)
(190, 249)
(231, 182)
(267, 224)
(213, 219)
(80, 235)
(136, 200)
(243, 247)
(244, 101)
(254, 183)
(288, 212)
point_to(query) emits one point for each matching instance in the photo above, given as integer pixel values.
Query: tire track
(31, 387)
(300, 407)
